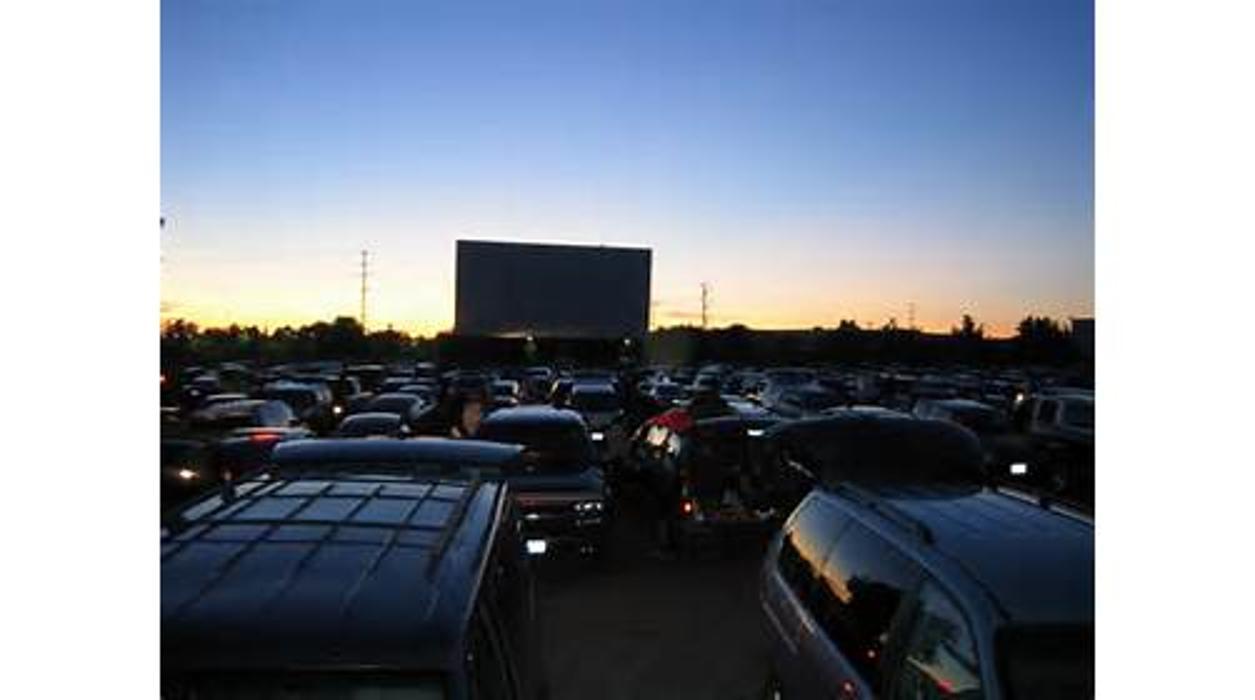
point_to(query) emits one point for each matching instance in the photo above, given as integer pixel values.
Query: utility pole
(705, 303)
(910, 315)
(364, 273)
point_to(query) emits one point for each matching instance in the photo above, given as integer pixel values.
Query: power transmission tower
(705, 303)
(364, 274)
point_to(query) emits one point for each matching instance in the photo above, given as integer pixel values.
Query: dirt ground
(643, 625)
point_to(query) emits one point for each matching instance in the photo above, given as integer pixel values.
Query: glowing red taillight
(686, 507)
(263, 437)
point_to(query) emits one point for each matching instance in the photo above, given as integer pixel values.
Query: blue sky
(811, 160)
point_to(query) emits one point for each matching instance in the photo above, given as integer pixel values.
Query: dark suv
(348, 585)
(558, 484)
(930, 591)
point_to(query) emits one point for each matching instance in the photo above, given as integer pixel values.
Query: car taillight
(848, 690)
(263, 437)
(686, 506)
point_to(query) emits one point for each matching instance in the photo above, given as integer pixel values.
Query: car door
(939, 656)
(856, 604)
(788, 595)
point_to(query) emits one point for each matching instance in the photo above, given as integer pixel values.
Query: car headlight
(589, 507)
(598, 436)
(337, 410)
(187, 474)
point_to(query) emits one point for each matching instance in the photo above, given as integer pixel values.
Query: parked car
(245, 449)
(800, 401)
(668, 394)
(187, 469)
(362, 425)
(929, 591)
(348, 586)
(1057, 432)
(877, 446)
(310, 401)
(247, 413)
(506, 393)
(559, 486)
(603, 412)
(370, 376)
(708, 480)
(408, 406)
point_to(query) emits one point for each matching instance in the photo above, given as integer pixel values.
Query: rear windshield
(885, 450)
(549, 446)
(1047, 662)
(340, 686)
(594, 401)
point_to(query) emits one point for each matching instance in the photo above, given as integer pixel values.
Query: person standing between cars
(467, 414)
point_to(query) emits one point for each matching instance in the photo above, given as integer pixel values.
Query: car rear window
(1046, 662)
(885, 450)
(548, 446)
(594, 401)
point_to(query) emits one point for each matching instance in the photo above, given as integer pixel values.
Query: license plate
(536, 546)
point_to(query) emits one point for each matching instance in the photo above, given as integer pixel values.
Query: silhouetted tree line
(184, 343)
(1039, 340)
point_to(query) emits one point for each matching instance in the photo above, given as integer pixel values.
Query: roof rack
(452, 524)
(444, 536)
(874, 502)
(1047, 501)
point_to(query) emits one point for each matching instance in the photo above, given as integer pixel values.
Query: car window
(864, 582)
(939, 659)
(815, 527)
(594, 401)
(549, 446)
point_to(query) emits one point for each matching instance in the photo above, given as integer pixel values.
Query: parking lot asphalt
(643, 625)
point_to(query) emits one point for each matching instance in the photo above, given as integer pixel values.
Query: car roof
(532, 414)
(1035, 562)
(871, 447)
(592, 388)
(372, 417)
(417, 451)
(961, 403)
(396, 396)
(316, 572)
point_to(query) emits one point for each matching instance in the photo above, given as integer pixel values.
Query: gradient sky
(812, 161)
